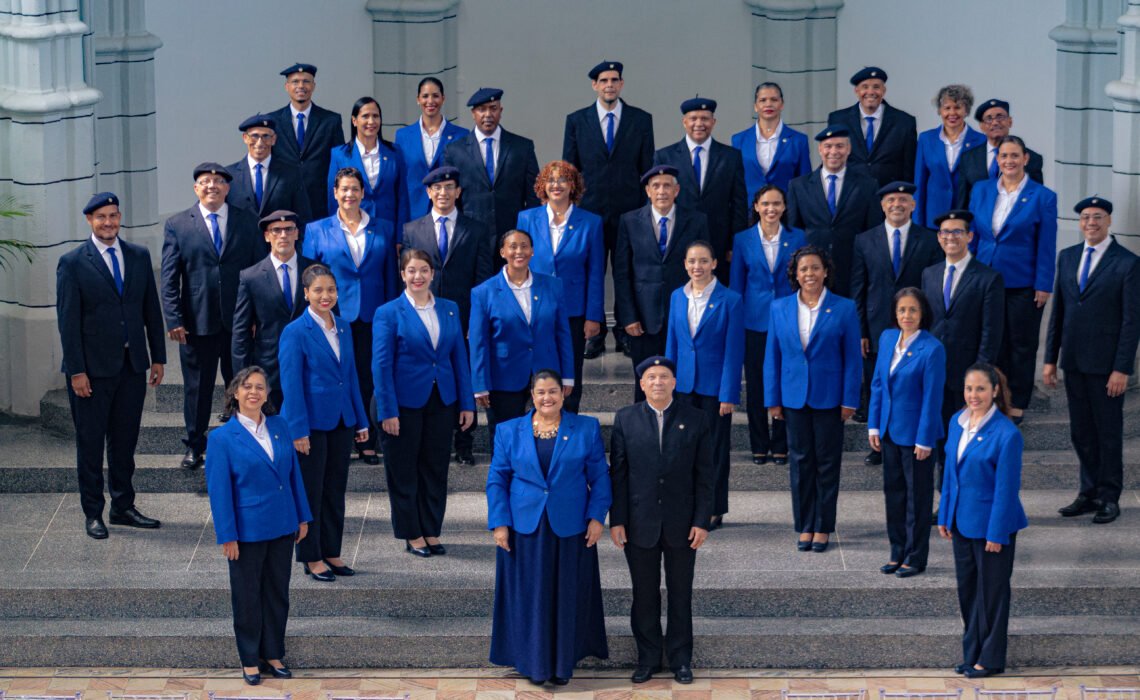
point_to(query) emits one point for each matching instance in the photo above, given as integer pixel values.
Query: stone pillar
(1125, 95)
(47, 136)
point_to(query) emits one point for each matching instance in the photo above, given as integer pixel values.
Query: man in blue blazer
(980, 162)
(883, 138)
(261, 184)
(410, 144)
(773, 152)
(1094, 328)
(109, 316)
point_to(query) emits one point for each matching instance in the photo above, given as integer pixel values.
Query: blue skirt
(548, 604)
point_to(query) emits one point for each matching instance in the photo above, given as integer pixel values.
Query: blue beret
(987, 105)
(868, 73)
(656, 361)
(605, 66)
(279, 215)
(300, 68)
(658, 170)
(960, 214)
(441, 174)
(101, 200)
(213, 169)
(698, 103)
(258, 120)
(832, 131)
(1093, 201)
(484, 95)
(896, 186)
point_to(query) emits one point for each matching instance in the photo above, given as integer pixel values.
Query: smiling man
(883, 138)
(262, 184)
(980, 162)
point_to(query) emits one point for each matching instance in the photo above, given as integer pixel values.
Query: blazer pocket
(247, 501)
(502, 351)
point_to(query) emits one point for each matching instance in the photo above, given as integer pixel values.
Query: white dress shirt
(602, 118)
(766, 147)
(223, 216)
(959, 268)
(521, 291)
(806, 316)
(430, 142)
(357, 243)
(771, 248)
(559, 230)
(103, 248)
(498, 136)
(308, 111)
(258, 431)
(704, 156)
(660, 421)
(904, 230)
(698, 302)
(330, 333)
(877, 115)
(449, 225)
(292, 263)
(967, 434)
(1098, 253)
(671, 215)
(252, 164)
(371, 161)
(1005, 201)
(839, 176)
(953, 148)
(428, 316)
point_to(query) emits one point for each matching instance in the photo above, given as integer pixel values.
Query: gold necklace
(551, 431)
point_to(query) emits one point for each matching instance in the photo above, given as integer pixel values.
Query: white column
(1125, 95)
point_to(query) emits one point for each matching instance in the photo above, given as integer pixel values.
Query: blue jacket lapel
(247, 441)
(821, 319)
(506, 296)
(412, 318)
(318, 335)
(715, 302)
(524, 439)
(573, 225)
(565, 434)
(541, 235)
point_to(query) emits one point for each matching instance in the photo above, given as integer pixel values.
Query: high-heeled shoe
(340, 570)
(983, 672)
(251, 678)
(437, 548)
(890, 568)
(803, 545)
(418, 551)
(276, 672)
(322, 576)
(820, 546)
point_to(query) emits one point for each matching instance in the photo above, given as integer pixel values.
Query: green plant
(10, 247)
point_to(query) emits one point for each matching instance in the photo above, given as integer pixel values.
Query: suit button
(545, 491)
(658, 501)
(661, 481)
(280, 488)
(433, 364)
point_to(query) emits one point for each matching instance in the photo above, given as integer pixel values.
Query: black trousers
(578, 345)
(505, 405)
(1018, 355)
(815, 450)
(362, 353)
(108, 419)
(762, 439)
(200, 357)
(1096, 423)
(868, 374)
(908, 490)
(722, 441)
(415, 464)
(983, 596)
(645, 613)
(325, 473)
(259, 594)
(642, 347)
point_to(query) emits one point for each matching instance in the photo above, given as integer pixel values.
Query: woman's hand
(993, 547)
(502, 537)
(593, 532)
(776, 412)
(617, 534)
(466, 418)
(921, 453)
(302, 530)
(230, 550)
(362, 435)
(391, 426)
(945, 532)
(566, 390)
(876, 443)
(726, 408)
(846, 413)
(302, 445)
(483, 401)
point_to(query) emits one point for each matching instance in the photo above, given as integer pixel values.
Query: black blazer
(1099, 329)
(971, 329)
(260, 315)
(856, 211)
(92, 315)
(470, 252)
(282, 189)
(896, 141)
(323, 130)
(199, 289)
(516, 170)
(613, 180)
(873, 282)
(972, 170)
(643, 280)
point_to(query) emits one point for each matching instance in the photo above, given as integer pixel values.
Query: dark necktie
(697, 166)
(831, 205)
(896, 254)
(993, 164)
(870, 133)
(490, 159)
(258, 184)
(662, 235)
(117, 272)
(300, 131)
(1084, 280)
(216, 233)
(610, 132)
(948, 287)
(442, 239)
(287, 287)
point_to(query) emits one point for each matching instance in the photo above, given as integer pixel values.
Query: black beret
(441, 174)
(658, 170)
(832, 131)
(213, 169)
(258, 120)
(279, 215)
(484, 95)
(656, 361)
(897, 186)
(605, 66)
(987, 105)
(1093, 201)
(101, 200)
(300, 68)
(868, 73)
(698, 103)
(960, 214)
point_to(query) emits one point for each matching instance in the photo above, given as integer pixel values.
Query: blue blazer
(360, 290)
(405, 366)
(1025, 250)
(320, 391)
(411, 151)
(580, 261)
(751, 277)
(907, 404)
(980, 491)
(710, 362)
(253, 498)
(792, 159)
(936, 179)
(575, 490)
(829, 372)
(505, 349)
(388, 200)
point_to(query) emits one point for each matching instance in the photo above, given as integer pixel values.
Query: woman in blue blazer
(759, 274)
(361, 252)
(705, 339)
(938, 154)
(579, 260)
(548, 491)
(323, 409)
(813, 368)
(790, 157)
(981, 513)
(904, 423)
(259, 508)
(421, 145)
(385, 196)
(423, 385)
(517, 327)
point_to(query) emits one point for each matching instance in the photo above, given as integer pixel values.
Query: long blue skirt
(548, 604)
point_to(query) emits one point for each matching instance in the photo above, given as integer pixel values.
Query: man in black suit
(649, 263)
(461, 254)
(980, 162)
(711, 177)
(882, 138)
(1094, 327)
(269, 297)
(261, 183)
(307, 135)
(661, 465)
(109, 316)
(204, 250)
(834, 203)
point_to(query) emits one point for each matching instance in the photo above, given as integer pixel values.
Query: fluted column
(1125, 95)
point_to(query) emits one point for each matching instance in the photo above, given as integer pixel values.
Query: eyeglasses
(300, 81)
(952, 232)
(558, 181)
(439, 188)
(1093, 217)
(281, 231)
(259, 137)
(995, 119)
(212, 182)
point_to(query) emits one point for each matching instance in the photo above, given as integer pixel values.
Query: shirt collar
(961, 264)
(102, 247)
(904, 229)
(526, 283)
(877, 114)
(365, 152)
(964, 419)
(904, 344)
(320, 321)
(693, 144)
(222, 211)
(424, 133)
(602, 110)
(497, 134)
(436, 216)
(764, 239)
(307, 112)
(253, 163)
(1099, 247)
(946, 140)
(277, 263)
(429, 305)
(250, 425)
(662, 411)
(775, 134)
(565, 220)
(818, 306)
(670, 215)
(364, 219)
(1017, 192)
(823, 173)
(705, 293)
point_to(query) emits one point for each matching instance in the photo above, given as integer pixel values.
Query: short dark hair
(804, 252)
(754, 216)
(927, 319)
(409, 254)
(997, 379)
(1010, 138)
(510, 232)
(768, 84)
(545, 374)
(314, 271)
(239, 378)
(699, 243)
(347, 172)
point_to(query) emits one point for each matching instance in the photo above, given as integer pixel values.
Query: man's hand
(81, 385)
(876, 443)
(1041, 299)
(391, 426)
(634, 330)
(945, 532)
(697, 535)
(846, 413)
(466, 418)
(157, 372)
(776, 412)
(865, 344)
(178, 335)
(617, 534)
(1117, 383)
(483, 401)
(1049, 375)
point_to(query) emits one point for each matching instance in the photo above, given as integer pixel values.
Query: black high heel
(418, 551)
(323, 576)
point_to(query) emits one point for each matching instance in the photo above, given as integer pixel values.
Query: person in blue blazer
(260, 510)
(323, 409)
(361, 252)
(548, 491)
(569, 244)
(420, 146)
(705, 339)
(904, 423)
(1015, 221)
(423, 390)
(981, 513)
(760, 257)
(939, 151)
(385, 196)
(813, 366)
(773, 152)
(518, 326)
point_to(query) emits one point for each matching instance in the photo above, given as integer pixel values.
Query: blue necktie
(117, 272)
(287, 287)
(993, 164)
(896, 254)
(662, 235)
(948, 287)
(300, 131)
(258, 185)
(870, 133)
(610, 132)
(490, 159)
(217, 233)
(831, 206)
(697, 166)
(442, 239)
(1084, 280)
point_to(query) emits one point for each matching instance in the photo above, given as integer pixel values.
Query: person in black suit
(109, 316)
(204, 250)
(611, 144)
(832, 213)
(1096, 322)
(649, 263)
(262, 185)
(711, 177)
(980, 162)
(269, 297)
(883, 138)
(307, 134)
(498, 168)
(663, 476)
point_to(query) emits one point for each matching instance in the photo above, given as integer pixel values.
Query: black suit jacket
(896, 140)
(470, 251)
(323, 131)
(199, 288)
(856, 211)
(643, 280)
(516, 169)
(971, 329)
(282, 189)
(873, 282)
(972, 169)
(1096, 332)
(260, 315)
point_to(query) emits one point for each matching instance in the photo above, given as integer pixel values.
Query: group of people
(378, 293)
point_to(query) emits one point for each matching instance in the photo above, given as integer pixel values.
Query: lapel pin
(564, 437)
(909, 354)
(276, 436)
(783, 140)
(536, 298)
(712, 306)
(979, 438)
(1024, 199)
(681, 426)
(450, 313)
(827, 310)
(571, 228)
(785, 244)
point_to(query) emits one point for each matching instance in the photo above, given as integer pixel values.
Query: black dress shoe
(820, 546)
(192, 460)
(537, 681)
(251, 678)
(595, 348)
(873, 459)
(644, 673)
(555, 680)
(418, 551)
(889, 568)
(282, 672)
(96, 530)
(372, 459)
(133, 518)
(465, 457)
(759, 459)
(1107, 513)
(908, 571)
(779, 459)
(804, 545)
(322, 576)
(1080, 506)
(860, 416)
(962, 668)
(684, 674)
(437, 548)
(972, 672)
(340, 570)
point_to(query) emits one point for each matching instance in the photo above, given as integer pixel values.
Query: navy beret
(868, 73)
(832, 131)
(658, 170)
(698, 103)
(960, 214)
(897, 186)
(101, 200)
(656, 361)
(987, 105)
(605, 66)
(279, 215)
(484, 95)
(300, 68)
(258, 120)
(1093, 201)
(213, 169)
(441, 174)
